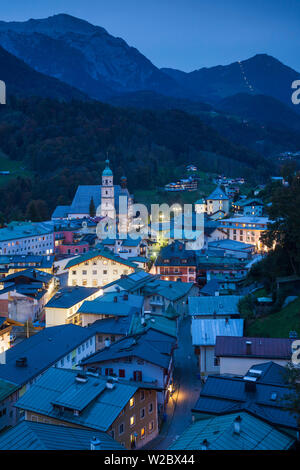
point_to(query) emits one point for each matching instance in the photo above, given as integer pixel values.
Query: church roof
(82, 198)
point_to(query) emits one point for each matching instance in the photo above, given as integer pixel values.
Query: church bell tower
(107, 193)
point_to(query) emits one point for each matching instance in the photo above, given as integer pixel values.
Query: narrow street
(187, 388)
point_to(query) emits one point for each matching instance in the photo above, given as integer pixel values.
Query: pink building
(67, 242)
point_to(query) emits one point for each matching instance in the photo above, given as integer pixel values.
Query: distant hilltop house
(104, 198)
(191, 168)
(187, 184)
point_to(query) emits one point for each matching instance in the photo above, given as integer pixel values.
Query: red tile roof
(267, 348)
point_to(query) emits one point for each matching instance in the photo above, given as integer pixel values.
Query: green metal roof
(23, 230)
(29, 435)
(104, 253)
(156, 322)
(96, 411)
(6, 388)
(255, 434)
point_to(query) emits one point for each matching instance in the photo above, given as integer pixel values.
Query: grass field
(16, 169)
(279, 324)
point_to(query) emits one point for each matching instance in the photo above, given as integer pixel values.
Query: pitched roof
(84, 194)
(214, 305)
(6, 388)
(171, 290)
(160, 323)
(29, 435)
(105, 253)
(98, 406)
(30, 273)
(218, 194)
(225, 394)
(205, 332)
(42, 350)
(267, 348)
(60, 212)
(116, 326)
(219, 433)
(66, 297)
(151, 346)
(16, 230)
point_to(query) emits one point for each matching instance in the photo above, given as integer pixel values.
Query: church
(106, 198)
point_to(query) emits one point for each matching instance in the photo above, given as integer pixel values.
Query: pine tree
(92, 209)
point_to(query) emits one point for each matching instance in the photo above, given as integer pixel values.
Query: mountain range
(106, 67)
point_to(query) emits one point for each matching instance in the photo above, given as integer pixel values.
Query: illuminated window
(142, 433)
(131, 402)
(132, 420)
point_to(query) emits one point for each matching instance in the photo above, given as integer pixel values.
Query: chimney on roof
(204, 444)
(237, 425)
(95, 443)
(248, 348)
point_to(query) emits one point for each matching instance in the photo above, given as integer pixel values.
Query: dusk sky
(185, 34)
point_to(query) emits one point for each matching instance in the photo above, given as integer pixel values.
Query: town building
(109, 305)
(5, 332)
(14, 263)
(24, 294)
(60, 346)
(204, 335)
(24, 238)
(35, 436)
(211, 264)
(160, 297)
(205, 307)
(246, 229)
(235, 431)
(97, 268)
(127, 411)
(217, 203)
(238, 354)
(66, 302)
(175, 262)
(145, 357)
(262, 392)
(249, 207)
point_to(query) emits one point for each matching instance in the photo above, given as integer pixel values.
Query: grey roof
(113, 303)
(42, 350)
(215, 305)
(83, 195)
(152, 346)
(98, 406)
(69, 296)
(115, 326)
(204, 332)
(211, 287)
(217, 194)
(225, 394)
(228, 244)
(30, 273)
(61, 212)
(29, 435)
(267, 348)
(218, 432)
